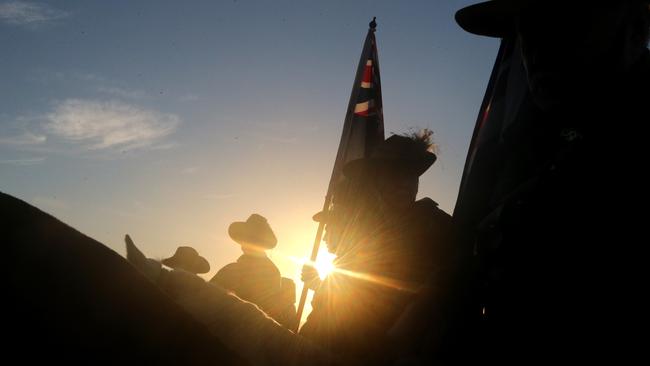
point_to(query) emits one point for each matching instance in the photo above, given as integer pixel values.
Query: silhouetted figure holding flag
(388, 247)
(254, 277)
(382, 237)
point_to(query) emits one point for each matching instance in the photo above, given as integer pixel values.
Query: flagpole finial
(373, 24)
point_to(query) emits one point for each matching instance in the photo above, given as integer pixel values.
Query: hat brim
(494, 18)
(240, 233)
(417, 167)
(198, 264)
(320, 216)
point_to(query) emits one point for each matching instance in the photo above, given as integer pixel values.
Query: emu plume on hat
(395, 153)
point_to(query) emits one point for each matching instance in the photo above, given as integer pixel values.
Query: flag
(363, 128)
(502, 105)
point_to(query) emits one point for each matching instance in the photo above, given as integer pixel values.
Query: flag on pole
(363, 128)
(502, 104)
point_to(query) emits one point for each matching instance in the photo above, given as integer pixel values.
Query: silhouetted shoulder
(433, 232)
(260, 263)
(227, 276)
(428, 211)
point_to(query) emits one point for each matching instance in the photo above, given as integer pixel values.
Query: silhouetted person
(546, 216)
(286, 305)
(254, 277)
(240, 325)
(387, 245)
(187, 259)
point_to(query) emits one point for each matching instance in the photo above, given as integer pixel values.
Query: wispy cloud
(27, 138)
(123, 93)
(164, 146)
(23, 162)
(103, 125)
(29, 14)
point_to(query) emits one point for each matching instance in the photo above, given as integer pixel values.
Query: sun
(324, 263)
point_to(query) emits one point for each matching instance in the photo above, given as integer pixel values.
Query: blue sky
(170, 120)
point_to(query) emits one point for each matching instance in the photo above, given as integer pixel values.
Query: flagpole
(314, 255)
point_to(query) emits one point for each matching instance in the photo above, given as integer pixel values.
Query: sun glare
(324, 263)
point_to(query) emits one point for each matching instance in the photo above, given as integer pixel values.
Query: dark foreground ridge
(69, 298)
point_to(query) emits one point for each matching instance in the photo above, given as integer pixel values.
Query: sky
(169, 120)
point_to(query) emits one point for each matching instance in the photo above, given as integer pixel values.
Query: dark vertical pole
(314, 255)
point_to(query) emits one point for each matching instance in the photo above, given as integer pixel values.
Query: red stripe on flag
(367, 73)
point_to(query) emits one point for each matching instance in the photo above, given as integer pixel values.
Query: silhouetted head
(254, 235)
(570, 49)
(337, 221)
(187, 259)
(395, 167)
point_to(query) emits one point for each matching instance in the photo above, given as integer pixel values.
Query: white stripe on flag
(361, 107)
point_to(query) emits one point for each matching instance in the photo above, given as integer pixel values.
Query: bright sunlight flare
(324, 263)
